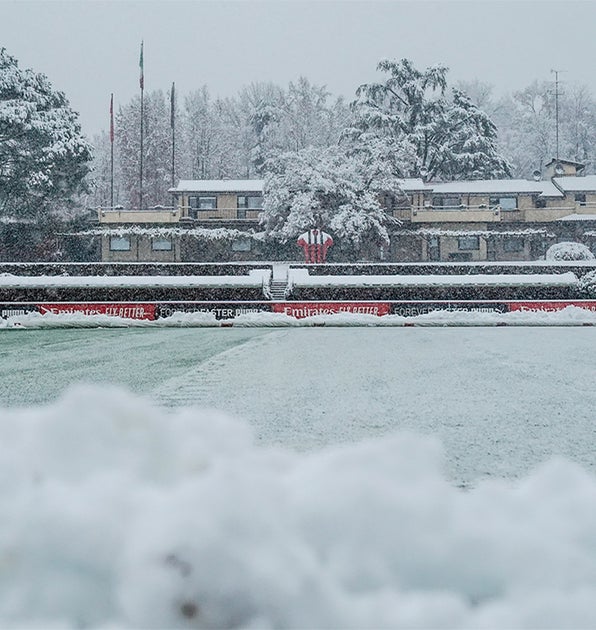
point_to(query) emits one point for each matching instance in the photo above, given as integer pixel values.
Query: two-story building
(209, 220)
(507, 219)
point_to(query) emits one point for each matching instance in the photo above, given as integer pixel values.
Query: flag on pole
(141, 76)
(172, 103)
(112, 119)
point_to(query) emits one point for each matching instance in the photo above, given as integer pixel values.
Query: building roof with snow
(412, 184)
(577, 183)
(543, 188)
(218, 186)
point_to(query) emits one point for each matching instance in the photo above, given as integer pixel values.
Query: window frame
(242, 245)
(496, 200)
(123, 238)
(446, 198)
(163, 240)
(199, 199)
(468, 248)
(246, 204)
(508, 242)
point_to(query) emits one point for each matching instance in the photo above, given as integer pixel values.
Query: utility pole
(142, 86)
(557, 94)
(173, 128)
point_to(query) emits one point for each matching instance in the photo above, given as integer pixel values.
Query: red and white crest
(315, 244)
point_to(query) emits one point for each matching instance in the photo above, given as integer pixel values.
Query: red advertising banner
(299, 310)
(128, 311)
(230, 310)
(589, 305)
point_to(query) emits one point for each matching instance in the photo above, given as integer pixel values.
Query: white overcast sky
(90, 48)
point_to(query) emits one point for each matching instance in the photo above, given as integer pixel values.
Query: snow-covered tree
(578, 125)
(307, 118)
(470, 147)
(43, 157)
(202, 135)
(440, 134)
(587, 284)
(100, 184)
(532, 127)
(156, 150)
(256, 115)
(324, 188)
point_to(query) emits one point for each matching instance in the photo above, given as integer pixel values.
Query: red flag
(141, 76)
(112, 119)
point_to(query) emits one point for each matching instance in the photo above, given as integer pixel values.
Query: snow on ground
(568, 316)
(254, 278)
(325, 493)
(119, 514)
(302, 278)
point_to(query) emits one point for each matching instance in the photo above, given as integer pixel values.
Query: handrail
(123, 209)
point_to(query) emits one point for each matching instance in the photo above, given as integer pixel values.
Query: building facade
(508, 219)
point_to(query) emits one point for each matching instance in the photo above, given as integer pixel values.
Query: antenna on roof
(557, 94)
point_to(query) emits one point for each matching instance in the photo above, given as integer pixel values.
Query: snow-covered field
(394, 477)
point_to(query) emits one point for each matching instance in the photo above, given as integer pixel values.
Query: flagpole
(173, 125)
(112, 152)
(142, 86)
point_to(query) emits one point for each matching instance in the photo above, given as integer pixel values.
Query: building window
(513, 244)
(446, 201)
(468, 243)
(506, 203)
(119, 243)
(241, 245)
(161, 245)
(202, 202)
(580, 198)
(248, 202)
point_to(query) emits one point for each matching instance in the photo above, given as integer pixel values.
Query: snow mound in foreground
(119, 514)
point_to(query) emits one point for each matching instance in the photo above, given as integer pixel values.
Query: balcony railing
(156, 214)
(446, 214)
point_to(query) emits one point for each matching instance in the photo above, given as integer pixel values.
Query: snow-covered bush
(587, 284)
(569, 251)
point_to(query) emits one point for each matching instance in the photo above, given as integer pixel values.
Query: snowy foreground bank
(119, 514)
(568, 316)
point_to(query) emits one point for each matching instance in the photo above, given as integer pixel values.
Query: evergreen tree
(423, 129)
(43, 157)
